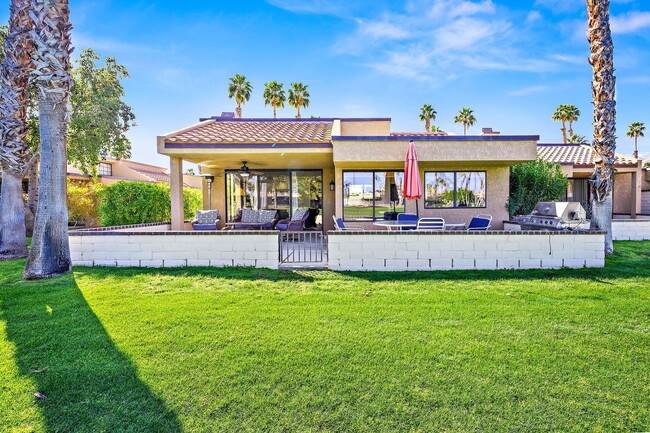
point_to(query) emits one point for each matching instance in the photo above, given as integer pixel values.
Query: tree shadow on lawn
(90, 385)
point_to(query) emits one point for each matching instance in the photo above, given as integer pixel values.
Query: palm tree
(466, 117)
(573, 113)
(50, 251)
(298, 97)
(562, 115)
(240, 89)
(274, 96)
(14, 150)
(578, 139)
(603, 88)
(427, 114)
(635, 130)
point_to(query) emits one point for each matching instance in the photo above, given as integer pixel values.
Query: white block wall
(416, 251)
(174, 250)
(631, 230)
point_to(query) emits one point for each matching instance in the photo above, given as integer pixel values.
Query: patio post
(176, 173)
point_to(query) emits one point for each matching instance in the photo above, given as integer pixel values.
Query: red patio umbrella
(412, 183)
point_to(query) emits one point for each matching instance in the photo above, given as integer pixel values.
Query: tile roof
(576, 154)
(157, 176)
(280, 131)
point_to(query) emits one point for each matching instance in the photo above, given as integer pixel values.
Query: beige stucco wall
(463, 152)
(497, 191)
(365, 128)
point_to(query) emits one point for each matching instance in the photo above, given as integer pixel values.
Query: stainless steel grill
(553, 215)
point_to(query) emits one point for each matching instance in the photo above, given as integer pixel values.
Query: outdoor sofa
(206, 220)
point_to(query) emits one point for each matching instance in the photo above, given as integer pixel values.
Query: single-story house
(352, 168)
(111, 170)
(631, 194)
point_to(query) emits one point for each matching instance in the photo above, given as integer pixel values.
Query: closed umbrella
(412, 183)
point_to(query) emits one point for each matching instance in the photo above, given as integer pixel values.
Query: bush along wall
(125, 202)
(535, 181)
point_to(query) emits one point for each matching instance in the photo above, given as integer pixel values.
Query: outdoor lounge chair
(407, 218)
(431, 224)
(206, 220)
(340, 226)
(480, 222)
(296, 223)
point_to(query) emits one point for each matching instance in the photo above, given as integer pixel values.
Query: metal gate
(303, 247)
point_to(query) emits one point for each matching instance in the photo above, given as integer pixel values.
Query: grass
(246, 350)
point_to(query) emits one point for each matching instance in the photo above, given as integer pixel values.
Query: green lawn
(247, 350)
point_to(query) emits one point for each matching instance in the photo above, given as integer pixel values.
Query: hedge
(127, 202)
(535, 181)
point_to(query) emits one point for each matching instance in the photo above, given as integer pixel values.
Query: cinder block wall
(400, 251)
(219, 249)
(631, 230)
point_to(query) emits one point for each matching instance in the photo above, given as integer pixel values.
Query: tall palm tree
(635, 130)
(50, 251)
(14, 151)
(466, 117)
(298, 97)
(240, 89)
(562, 115)
(573, 113)
(274, 96)
(603, 87)
(427, 114)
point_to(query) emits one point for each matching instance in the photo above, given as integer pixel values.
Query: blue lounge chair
(340, 226)
(480, 222)
(407, 218)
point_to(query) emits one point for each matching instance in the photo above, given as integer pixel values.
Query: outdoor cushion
(249, 216)
(299, 214)
(479, 223)
(266, 216)
(207, 216)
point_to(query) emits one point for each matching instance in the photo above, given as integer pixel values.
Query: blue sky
(511, 61)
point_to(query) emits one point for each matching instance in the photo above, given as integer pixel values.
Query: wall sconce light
(332, 185)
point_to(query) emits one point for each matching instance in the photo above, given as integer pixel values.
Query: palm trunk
(564, 138)
(14, 152)
(464, 128)
(13, 243)
(298, 110)
(238, 111)
(570, 129)
(603, 90)
(427, 124)
(274, 113)
(50, 251)
(32, 196)
(636, 150)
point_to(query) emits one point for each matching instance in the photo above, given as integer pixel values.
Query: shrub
(532, 182)
(124, 203)
(83, 203)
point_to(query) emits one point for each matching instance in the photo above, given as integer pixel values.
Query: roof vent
(227, 115)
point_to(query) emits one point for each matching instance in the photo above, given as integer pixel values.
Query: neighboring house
(114, 170)
(631, 194)
(351, 168)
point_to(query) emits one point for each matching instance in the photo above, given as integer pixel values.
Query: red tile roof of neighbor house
(156, 176)
(418, 134)
(257, 131)
(577, 154)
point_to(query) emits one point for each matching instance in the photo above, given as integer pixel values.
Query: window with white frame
(104, 169)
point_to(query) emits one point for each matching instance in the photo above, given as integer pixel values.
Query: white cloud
(530, 90)
(533, 17)
(630, 22)
(382, 30)
(467, 8)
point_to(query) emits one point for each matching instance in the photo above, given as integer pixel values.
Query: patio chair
(340, 226)
(206, 220)
(431, 224)
(480, 222)
(407, 218)
(296, 223)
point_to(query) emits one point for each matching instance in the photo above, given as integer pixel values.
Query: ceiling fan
(245, 171)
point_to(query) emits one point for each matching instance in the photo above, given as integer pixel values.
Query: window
(368, 194)
(105, 169)
(452, 189)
